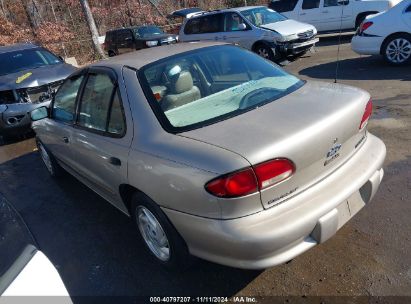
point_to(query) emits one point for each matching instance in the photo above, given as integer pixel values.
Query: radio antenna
(339, 41)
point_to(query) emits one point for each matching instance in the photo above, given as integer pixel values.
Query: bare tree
(92, 26)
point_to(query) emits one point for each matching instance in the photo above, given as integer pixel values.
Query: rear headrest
(183, 83)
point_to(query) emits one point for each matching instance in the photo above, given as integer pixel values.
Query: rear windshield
(13, 62)
(201, 87)
(147, 31)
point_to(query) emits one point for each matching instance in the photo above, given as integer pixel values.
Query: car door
(125, 41)
(309, 11)
(205, 28)
(336, 14)
(234, 34)
(59, 127)
(101, 140)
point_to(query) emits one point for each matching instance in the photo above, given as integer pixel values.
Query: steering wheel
(255, 97)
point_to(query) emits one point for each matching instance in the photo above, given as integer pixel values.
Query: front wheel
(265, 52)
(397, 49)
(49, 161)
(159, 236)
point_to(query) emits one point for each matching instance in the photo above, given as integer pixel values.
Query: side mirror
(61, 58)
(3, 108)
(39, 113)
(242, 27)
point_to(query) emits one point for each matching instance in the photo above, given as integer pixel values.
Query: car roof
(17, 47)
(131, 27)
(140, 58)
(233, 9)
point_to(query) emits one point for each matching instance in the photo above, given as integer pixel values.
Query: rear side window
(100, 106)
(65, 100)
(283, 5)
(203, 25)
(310, 4)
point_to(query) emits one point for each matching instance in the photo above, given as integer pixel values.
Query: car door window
(328, 3)
(232, 22)
(65, 100)
(116, 123)
(408, 10)
(310, 4)
(100, 107)
(282, 6)
(211, 24)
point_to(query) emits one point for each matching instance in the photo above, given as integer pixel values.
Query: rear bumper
(365, 45)
(279, 234)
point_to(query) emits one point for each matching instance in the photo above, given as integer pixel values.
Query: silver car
(215, 152)
(29, 76)
(256, 28)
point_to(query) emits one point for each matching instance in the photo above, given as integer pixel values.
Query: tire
(170, 250)
(396, 49)
(264, 51)
(54, 169)
(111, 54)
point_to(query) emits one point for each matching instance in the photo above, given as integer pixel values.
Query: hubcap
(46, 158)
(263, 53)
(153, 234)
(399, 50)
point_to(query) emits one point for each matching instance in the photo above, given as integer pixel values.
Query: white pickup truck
(330, 15)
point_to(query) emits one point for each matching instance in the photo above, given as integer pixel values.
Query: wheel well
(361, 15)
(389, 37)
(126, 193)
(111, 52)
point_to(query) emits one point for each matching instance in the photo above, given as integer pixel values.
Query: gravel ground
(93, 245)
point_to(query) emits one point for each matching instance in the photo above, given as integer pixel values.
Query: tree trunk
(92, 26)
(158, 11)
(33, 14)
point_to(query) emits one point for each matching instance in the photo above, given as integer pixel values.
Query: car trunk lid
(316, 127)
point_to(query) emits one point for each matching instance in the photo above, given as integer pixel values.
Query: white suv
(257, 28)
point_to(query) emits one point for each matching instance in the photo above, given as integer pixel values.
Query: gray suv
(29, 77)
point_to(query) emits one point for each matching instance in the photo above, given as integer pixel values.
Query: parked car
(124, 40)
(29, 76)
(24, 269)
(331, 15)
(215, 151)
(387, 34)
(257, 28)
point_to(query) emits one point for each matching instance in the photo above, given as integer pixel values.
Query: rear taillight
(233, 185)
(252, 179)
(273, 172)
(367, 114)
(365, 26)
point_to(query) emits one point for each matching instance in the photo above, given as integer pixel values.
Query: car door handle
(302, 14)
(324, 12)
(224, 37)
(216, 38)
(114, 161)
(65, 140)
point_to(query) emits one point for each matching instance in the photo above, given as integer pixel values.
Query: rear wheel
(397, 49)
(111, 54)
(159, 236)
(49, 161)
